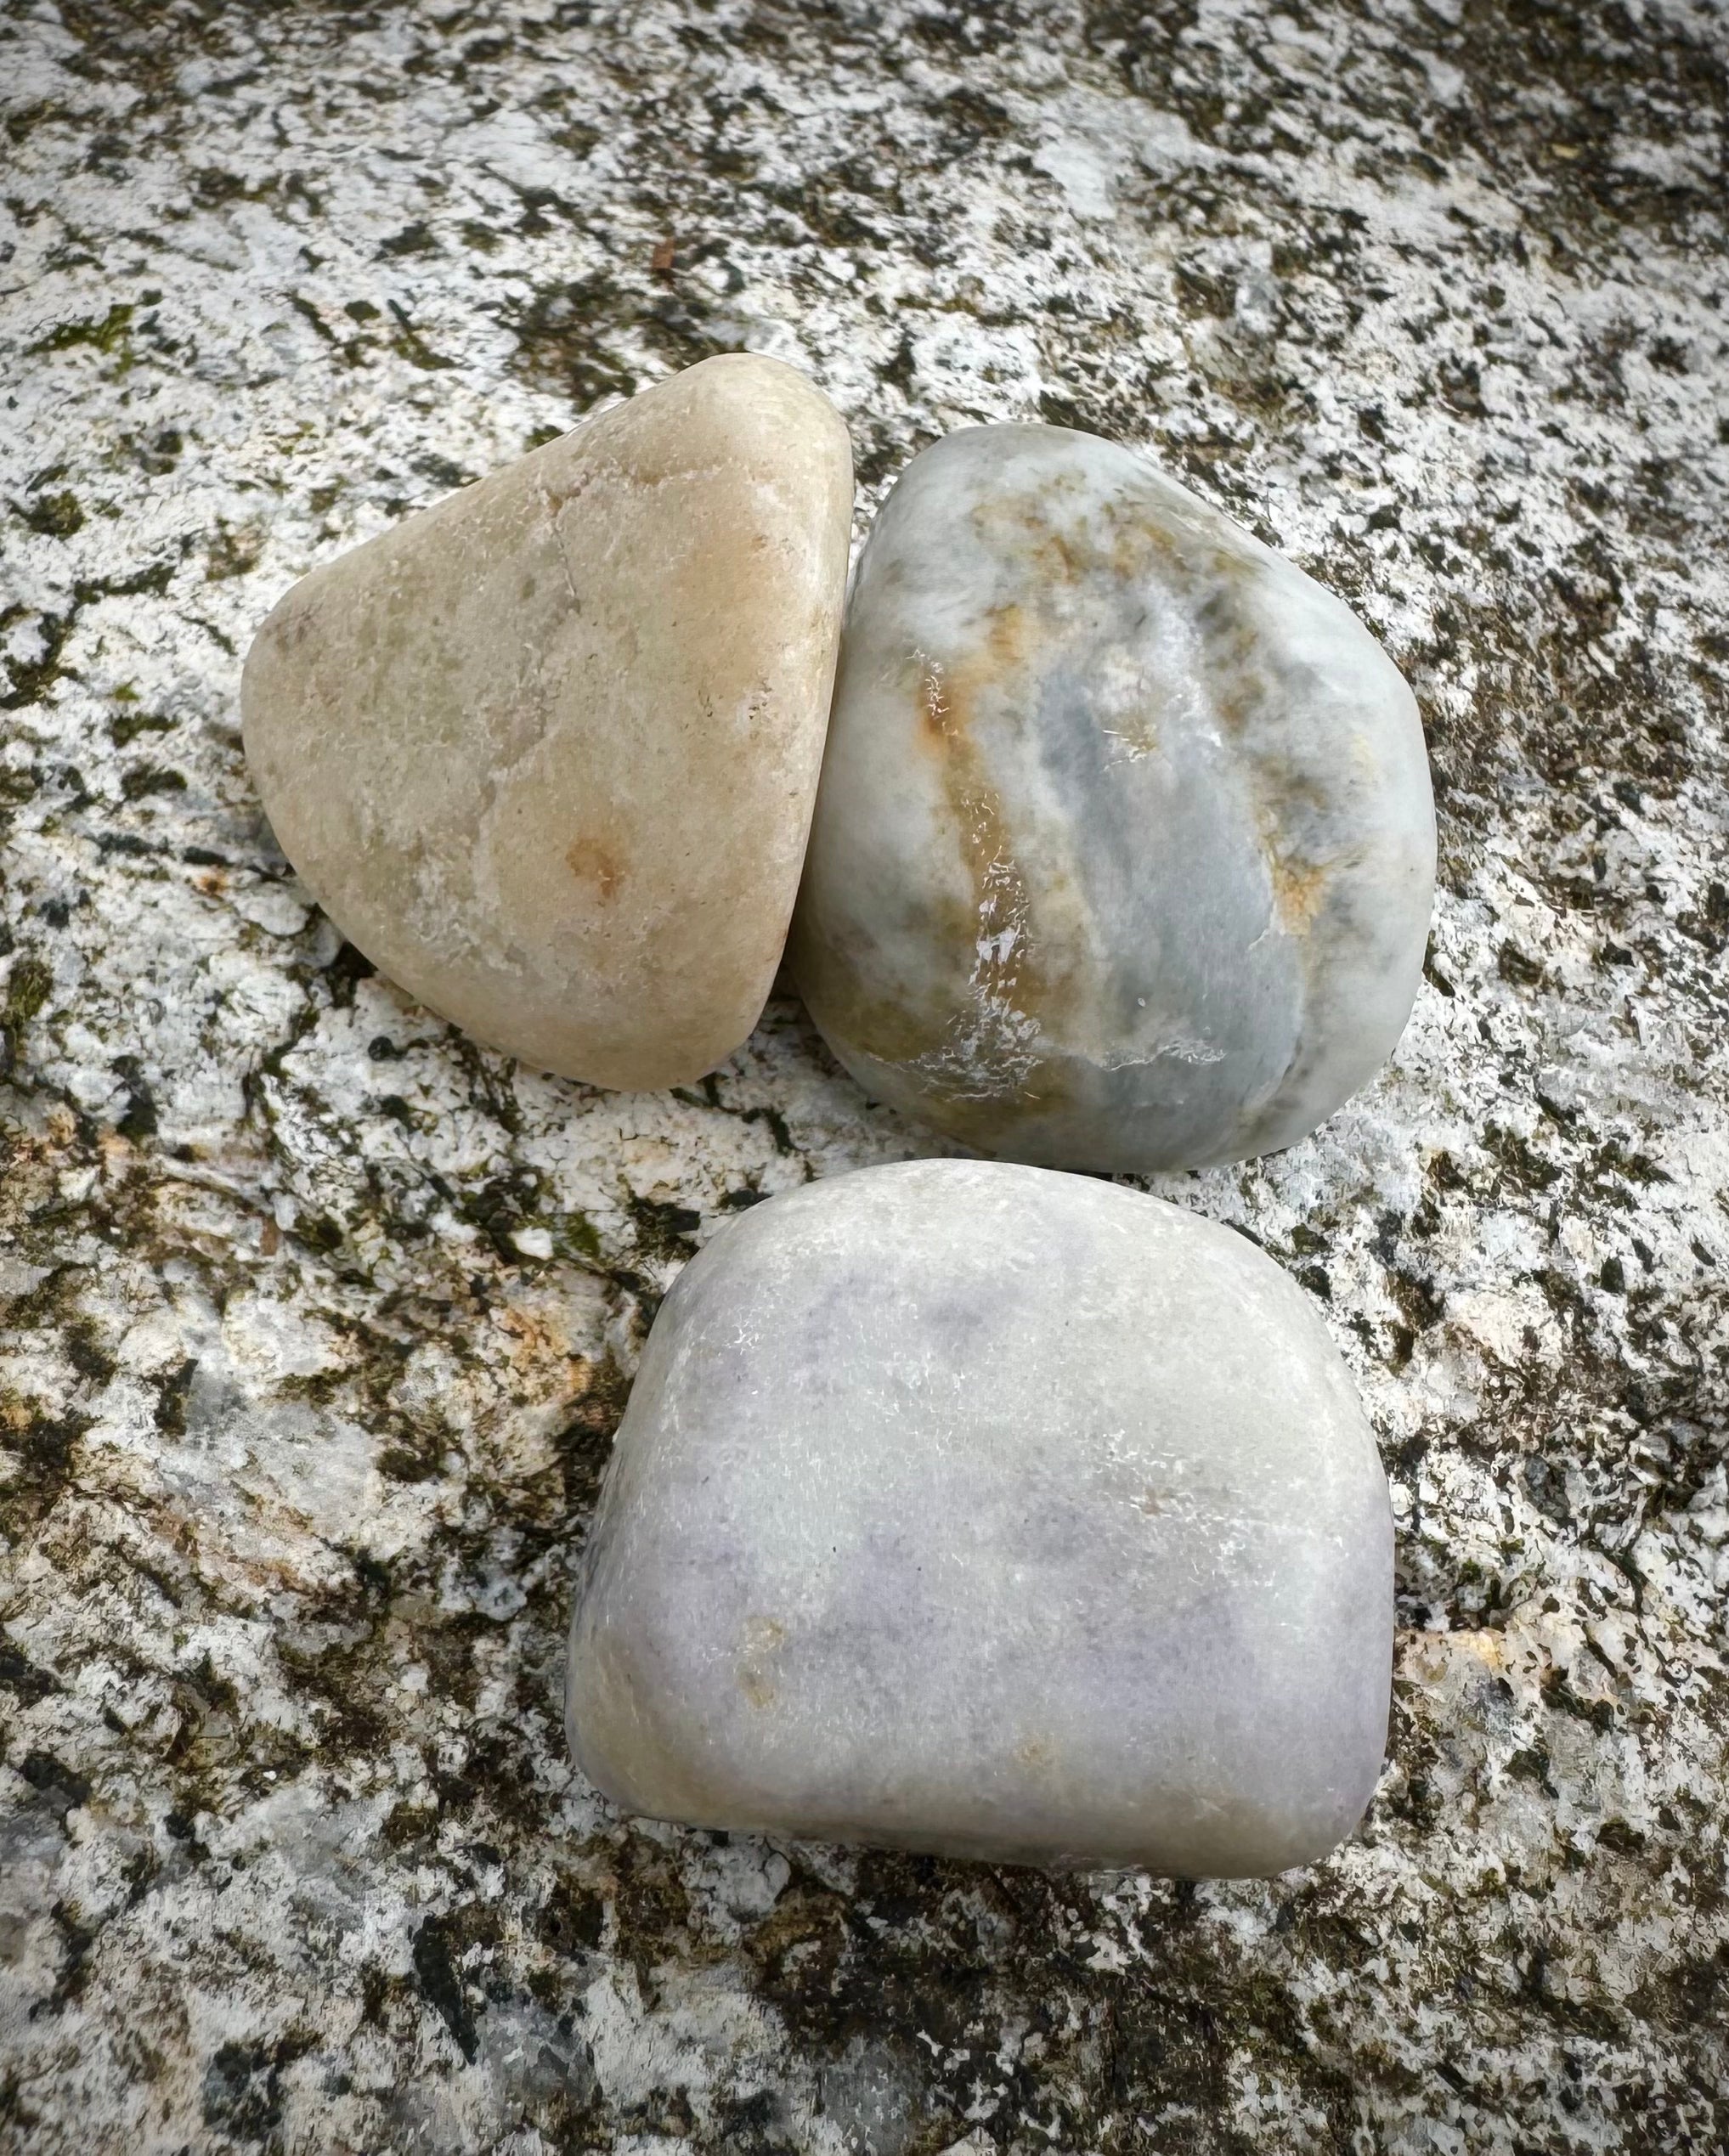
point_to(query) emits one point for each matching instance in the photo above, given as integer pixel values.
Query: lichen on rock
(318, 1319)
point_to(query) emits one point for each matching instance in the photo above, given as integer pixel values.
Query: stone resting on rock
(1124, 847)
(968, 1508)
(546, 752)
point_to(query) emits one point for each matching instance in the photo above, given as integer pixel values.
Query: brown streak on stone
(1010, 984)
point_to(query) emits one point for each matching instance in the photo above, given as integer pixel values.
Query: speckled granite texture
(319, 1319)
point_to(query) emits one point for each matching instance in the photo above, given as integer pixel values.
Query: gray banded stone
(1124, 848)
(970, 1508)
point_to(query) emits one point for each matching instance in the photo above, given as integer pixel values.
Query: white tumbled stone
(971, 1508)
(546, 752)
(1124, 848)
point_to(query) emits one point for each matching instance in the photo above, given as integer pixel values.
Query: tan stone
(547, 752)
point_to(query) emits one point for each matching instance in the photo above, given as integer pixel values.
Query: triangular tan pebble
(546, 753)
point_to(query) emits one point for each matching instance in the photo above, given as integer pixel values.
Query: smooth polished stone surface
(1124, 848)
(546, 753)
(966, 1507)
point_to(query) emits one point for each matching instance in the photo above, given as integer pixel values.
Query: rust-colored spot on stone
(1299, 891)
(1295, 810)
(591, 860)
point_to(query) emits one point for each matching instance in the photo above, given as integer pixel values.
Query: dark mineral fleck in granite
(318, 1320)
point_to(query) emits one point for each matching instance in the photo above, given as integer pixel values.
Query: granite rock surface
(1124, 848)
(546, 753)
(973, 1509)
(318, 1317)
